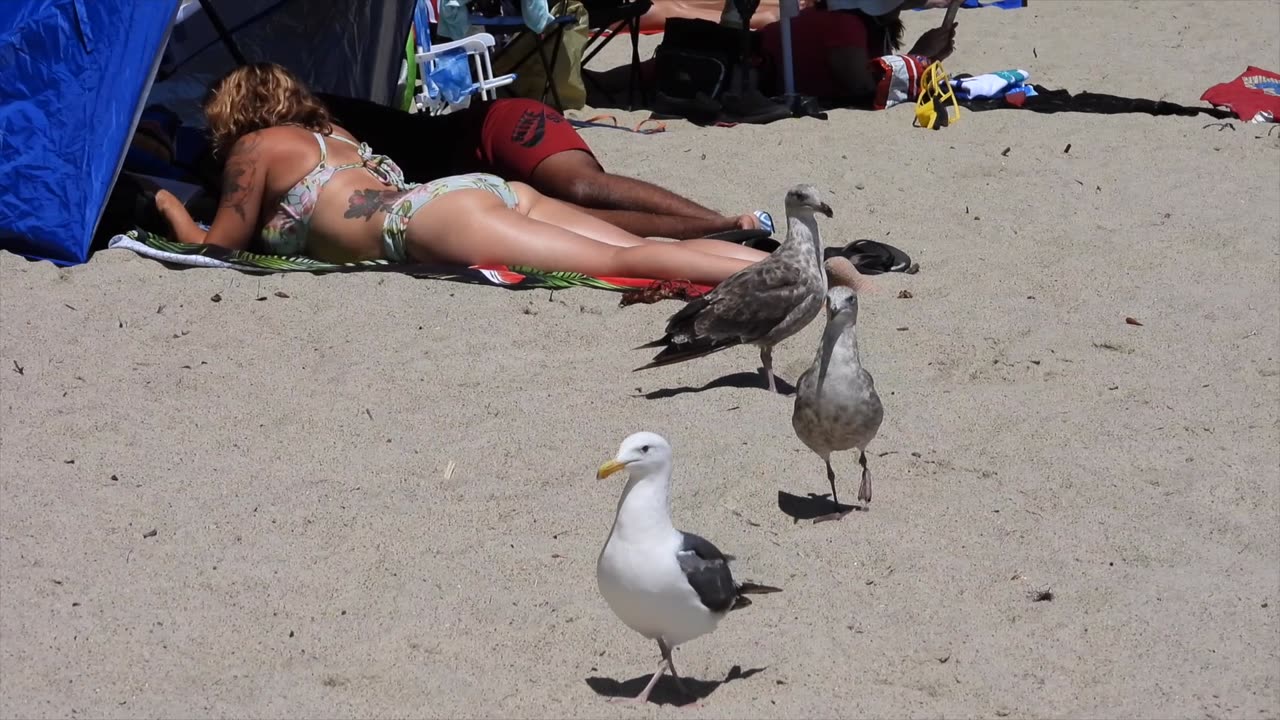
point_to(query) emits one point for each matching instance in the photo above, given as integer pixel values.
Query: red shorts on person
(518, 134)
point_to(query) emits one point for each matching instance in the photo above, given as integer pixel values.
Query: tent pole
(788, 9)
(221, 29)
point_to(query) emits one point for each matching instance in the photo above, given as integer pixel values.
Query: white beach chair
(478, 48)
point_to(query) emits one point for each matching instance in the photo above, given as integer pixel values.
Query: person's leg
(576, 176)
(670, 226)
(549, 210)
(472, 227)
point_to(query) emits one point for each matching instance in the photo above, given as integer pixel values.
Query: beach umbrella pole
(788, 9)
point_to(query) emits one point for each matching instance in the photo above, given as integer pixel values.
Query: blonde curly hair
(257, 96)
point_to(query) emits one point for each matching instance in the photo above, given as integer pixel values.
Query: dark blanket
(426, 147)
(1056, 101)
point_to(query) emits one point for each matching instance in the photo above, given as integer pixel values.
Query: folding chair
(428, 57)
(512, 28)
(611, 16)
(477, 48)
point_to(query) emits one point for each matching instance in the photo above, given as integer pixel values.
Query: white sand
(311, 559)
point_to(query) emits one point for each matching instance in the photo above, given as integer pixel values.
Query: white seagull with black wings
(667, 585)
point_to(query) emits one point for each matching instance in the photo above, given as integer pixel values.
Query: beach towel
(157, 247)
(1254, 96)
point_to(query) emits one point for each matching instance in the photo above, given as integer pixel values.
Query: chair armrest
(478, 43)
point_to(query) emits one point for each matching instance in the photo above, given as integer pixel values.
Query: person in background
(834, 41)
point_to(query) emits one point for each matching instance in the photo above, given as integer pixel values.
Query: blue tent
(75, 75)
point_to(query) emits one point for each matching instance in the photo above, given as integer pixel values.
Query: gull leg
(831, 478)
(643, 697)
(766, 359)
(864, 490)
(671, 665)
(838, 514)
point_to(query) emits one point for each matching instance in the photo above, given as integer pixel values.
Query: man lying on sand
(527, 141)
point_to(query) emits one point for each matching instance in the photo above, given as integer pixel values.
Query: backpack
(694, 65)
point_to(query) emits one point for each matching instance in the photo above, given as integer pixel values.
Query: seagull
(762, 304)
(836, 406)
(667, 585)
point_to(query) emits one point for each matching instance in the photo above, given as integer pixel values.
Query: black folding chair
(511, 28)
(611, 16)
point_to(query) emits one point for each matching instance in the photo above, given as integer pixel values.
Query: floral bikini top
(286, 232)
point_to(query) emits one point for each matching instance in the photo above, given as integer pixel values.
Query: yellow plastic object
(932, 108)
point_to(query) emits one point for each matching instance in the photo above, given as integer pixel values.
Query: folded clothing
(991, 85)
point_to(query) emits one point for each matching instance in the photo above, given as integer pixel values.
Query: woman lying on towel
(297, 184)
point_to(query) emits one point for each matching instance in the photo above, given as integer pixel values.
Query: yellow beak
(609, 468)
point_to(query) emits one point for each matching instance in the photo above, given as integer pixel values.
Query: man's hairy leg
(676, 227)
(574, 176)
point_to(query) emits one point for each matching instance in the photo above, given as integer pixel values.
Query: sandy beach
(375, 497)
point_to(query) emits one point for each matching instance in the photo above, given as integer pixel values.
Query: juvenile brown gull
(836, 405)
(762, 304)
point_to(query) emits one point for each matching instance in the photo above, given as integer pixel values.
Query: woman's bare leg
(549, 210)
(474, 227)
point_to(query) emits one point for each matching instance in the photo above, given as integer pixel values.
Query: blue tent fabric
(73, 76)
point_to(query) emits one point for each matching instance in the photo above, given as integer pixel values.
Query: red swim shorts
(518, 134)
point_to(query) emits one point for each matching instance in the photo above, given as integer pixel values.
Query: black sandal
(873, 258)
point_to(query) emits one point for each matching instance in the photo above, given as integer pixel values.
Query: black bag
(695, 60)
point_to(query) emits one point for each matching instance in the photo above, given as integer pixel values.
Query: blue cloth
(454, 20)
(73, 76)
(1001, 4)
(451, 77)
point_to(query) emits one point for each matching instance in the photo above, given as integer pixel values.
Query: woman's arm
(243, 185)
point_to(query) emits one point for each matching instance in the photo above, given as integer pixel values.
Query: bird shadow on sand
(666, 692)
(814, 506)
(742, 381)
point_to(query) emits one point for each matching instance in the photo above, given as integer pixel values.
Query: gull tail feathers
(677, 352)
(660, 342)
(750, 588)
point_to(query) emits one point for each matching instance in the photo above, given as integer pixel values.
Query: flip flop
(873, 258)
(765, 219)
